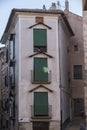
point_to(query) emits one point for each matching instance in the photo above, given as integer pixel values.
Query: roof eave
(5, 34)
(67, 24)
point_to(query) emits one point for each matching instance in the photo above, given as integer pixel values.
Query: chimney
(53, 6)
(58, 4)
(66, 5)
(44, 7)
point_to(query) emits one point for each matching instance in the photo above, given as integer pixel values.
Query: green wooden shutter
(40, 67)
(41, 103)
(40, 37)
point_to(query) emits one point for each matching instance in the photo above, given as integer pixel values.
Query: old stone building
(85, 52)
(76, 55)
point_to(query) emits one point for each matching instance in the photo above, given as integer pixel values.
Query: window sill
(40, 82)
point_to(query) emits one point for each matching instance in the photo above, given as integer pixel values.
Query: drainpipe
(59, 41)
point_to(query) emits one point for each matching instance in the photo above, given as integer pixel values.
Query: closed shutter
(40, 37)
(40, 67)
(41, 103)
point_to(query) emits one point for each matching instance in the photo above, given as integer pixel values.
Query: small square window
(75, 48)
(39, 19)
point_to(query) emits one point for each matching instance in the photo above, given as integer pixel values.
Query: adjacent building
(76, 65)
(85, 53)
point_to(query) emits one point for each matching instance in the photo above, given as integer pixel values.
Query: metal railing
(47, 116)
(44, 82)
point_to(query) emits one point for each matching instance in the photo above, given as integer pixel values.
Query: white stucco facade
(26, 99)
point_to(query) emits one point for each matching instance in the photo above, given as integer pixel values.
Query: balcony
(48, 115)
(46, 80)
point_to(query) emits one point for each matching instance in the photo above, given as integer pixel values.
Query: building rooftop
(44, 11)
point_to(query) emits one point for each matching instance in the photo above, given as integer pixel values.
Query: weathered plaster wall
(25, 63)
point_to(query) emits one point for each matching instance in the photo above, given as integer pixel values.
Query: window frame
(79, 74)
(41, 104)
(40, 47)
(44, 75)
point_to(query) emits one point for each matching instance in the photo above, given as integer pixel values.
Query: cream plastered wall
(26, 65)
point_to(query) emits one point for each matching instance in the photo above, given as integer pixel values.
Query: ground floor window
(40, 125)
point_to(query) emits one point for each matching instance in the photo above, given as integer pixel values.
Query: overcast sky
(75, 6)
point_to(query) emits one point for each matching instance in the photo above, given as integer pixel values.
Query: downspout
(59, 41)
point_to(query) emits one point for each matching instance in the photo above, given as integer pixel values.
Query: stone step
(73, 128)
(75, 124)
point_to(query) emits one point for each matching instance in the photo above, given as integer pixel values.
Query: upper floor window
(77, 71)
(39, 19)
(40, 70)
(6, 80)
(75, 48)
(7, 57)
(12, 46)
(40, 40)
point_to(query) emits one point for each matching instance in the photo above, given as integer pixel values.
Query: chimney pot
(53, 6)
(66, 4)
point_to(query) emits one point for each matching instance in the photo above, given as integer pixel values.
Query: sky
(6, 6)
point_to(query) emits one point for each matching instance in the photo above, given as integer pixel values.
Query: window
(7, 55)
(77, 71)
(39, 19)
(40, 70)
(75, 48)
(12, 81)
(41, 104)
(40, 40)
(6, 80)
(12, 46)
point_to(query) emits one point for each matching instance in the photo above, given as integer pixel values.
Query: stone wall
(85, 58)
